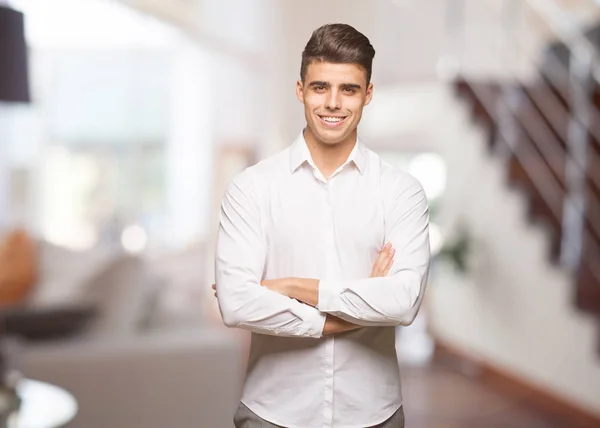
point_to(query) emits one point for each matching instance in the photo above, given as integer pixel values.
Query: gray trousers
(246, 418)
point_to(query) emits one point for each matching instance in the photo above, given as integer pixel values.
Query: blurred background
(122, 121)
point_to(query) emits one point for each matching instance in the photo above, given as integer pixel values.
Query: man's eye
(350, 90)
(319, 88)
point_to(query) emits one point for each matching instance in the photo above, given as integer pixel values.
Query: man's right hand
(384, 261)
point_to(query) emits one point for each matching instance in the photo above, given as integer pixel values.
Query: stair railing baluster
(574, 207)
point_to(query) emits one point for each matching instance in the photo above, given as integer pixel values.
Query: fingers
(384, 261)
(376, 266)
(379, 262)
(390, 262)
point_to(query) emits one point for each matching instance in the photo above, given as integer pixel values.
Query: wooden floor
(439, 396)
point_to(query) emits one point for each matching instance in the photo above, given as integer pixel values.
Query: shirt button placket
(329, 348)
(328, 410)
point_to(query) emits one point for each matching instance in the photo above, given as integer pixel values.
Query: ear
(300, 91)
(369, 94)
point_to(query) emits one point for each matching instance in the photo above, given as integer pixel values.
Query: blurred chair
(18, 271)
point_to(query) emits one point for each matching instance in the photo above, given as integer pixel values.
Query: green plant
(457, 251)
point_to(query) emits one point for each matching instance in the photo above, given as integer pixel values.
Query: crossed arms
(309, 307)
(306, 290)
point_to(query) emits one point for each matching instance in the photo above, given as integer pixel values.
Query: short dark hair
(338, 44)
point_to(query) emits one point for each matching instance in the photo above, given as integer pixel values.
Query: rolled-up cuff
(313, 321)
(329, 293)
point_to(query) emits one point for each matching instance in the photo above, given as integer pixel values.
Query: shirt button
(311, 331)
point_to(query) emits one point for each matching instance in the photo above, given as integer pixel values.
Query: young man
(300, 262)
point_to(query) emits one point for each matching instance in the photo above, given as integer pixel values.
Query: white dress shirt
(281, 218)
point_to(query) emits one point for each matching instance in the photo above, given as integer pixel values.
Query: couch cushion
(63, 273)
(117, 290)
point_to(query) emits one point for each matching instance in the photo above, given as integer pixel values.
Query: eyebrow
(327, 85)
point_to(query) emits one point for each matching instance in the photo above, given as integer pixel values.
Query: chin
(337, 138)
(332, 141)
(328, 136)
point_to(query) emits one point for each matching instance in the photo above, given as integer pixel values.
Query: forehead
(335, 73)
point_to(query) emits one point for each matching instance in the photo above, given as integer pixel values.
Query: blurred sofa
(140, 361)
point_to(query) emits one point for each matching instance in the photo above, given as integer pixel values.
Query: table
(43, 406)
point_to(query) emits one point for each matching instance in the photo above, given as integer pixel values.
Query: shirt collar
(299, 154)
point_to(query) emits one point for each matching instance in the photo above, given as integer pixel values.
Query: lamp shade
(14, 82)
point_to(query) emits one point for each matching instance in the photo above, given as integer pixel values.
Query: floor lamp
(14, 85)
(14, 89)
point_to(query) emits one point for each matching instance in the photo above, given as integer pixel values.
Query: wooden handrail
(539, 133)
(561, 86)
(542, 137)
(546, 183)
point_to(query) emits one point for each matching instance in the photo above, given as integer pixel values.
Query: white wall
(18, 155)
(189, 147)
(3, 169)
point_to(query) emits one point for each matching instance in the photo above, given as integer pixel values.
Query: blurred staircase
(547, 130)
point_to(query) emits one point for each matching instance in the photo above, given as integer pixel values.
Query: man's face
(333, 96)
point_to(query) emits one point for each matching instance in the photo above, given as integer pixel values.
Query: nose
(333, 101)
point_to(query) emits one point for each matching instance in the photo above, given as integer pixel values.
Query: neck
(329, 157)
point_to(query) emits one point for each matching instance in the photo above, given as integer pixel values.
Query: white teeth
(332, 119)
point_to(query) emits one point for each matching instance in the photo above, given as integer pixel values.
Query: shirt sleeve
(239, 262)
(395, 299)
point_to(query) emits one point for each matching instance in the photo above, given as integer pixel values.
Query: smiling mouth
(332, 121)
